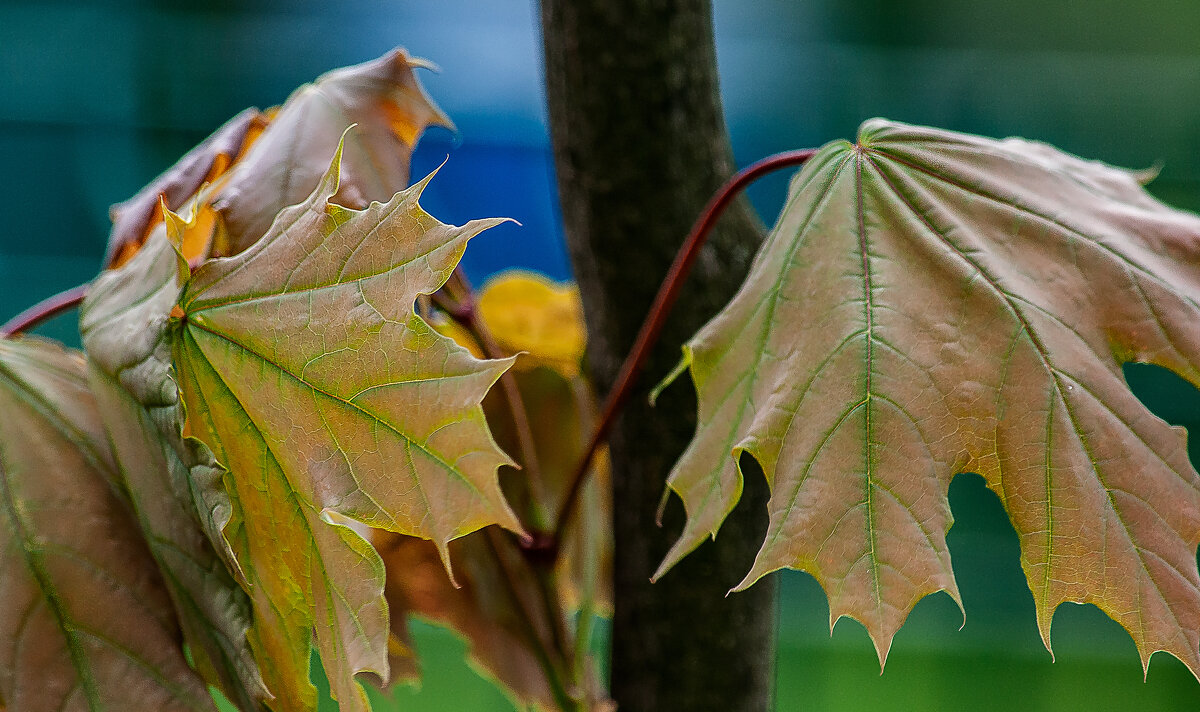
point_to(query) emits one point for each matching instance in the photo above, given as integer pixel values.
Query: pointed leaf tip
(685, 362)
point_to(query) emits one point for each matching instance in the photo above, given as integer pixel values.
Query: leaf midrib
(869, 317)
(300, 507)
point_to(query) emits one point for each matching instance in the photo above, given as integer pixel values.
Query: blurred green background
(98, 97)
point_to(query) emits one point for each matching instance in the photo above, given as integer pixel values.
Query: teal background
(98, 97)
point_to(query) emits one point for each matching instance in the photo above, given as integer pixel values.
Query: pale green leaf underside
(305, 369)
(174, 483)
(932, 303)
(85, 622)
(389, 106)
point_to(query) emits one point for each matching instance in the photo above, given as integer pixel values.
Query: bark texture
(640, 145)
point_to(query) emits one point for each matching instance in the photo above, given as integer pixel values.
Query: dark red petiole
(657, 316)
(44, 310)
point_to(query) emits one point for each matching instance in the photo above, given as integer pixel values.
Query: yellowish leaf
(527, 312)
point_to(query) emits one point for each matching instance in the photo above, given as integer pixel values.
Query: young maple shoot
(286, 412)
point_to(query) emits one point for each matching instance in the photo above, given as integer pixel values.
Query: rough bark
(640, 145)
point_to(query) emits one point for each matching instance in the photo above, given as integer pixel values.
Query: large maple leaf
(304, 367)
(85, 621)
(932, 303)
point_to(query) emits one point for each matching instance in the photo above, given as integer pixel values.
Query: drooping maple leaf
(283, 165)
(932, 303)
(261, 162)
(175, 485)
(304, 367)
(85, 622)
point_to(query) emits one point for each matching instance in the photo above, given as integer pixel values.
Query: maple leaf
(253, 166)
(175, 485)
(86, 622)
(304, 367)
(932, 303)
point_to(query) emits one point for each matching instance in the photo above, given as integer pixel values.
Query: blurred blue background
(98, 97)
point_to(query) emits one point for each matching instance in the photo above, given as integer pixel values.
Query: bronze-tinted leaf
(306, 370)
(174, 483)
(261, 162)
(255, 165)
(285, 164)
(932, 303)
(135, 219)
(86, 623)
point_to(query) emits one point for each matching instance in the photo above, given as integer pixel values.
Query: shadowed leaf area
(499, 608)
(174, 484)
(931, 303)
(85, 621)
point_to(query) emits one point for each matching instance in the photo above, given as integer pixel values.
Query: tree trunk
(640, 145)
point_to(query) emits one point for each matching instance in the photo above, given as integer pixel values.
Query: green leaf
(86, 623)
(175, 485)
(306, 370)
(932, 303)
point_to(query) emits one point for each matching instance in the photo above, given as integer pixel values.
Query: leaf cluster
(295, 425)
